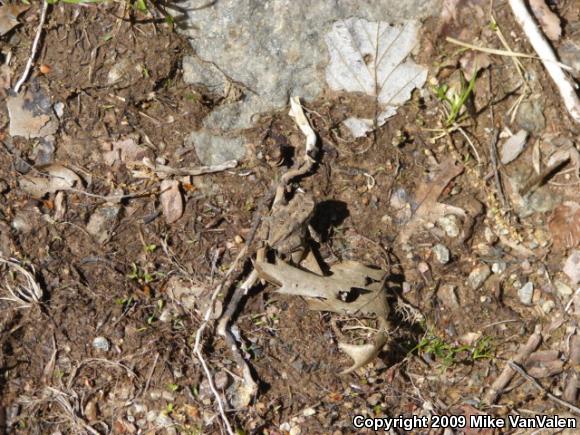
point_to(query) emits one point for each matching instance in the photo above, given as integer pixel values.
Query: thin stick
(541, 178)
(34, 50)
(508, 372)
(199, 334)
(493, 154)
(536, 384)
(194, 171)
(564, 84)
(462, 131)
(505, 52)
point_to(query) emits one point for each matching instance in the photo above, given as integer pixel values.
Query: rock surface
(271, 49)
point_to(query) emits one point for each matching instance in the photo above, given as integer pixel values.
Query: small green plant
(150, 248)
(450, 354)
(172, 387)
(455, 100)
(141, 275)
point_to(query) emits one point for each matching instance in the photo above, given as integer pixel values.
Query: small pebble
(101, 343)
(221, 380)
(238, 239)
(489, 235)
(166, 315)
(498, 267)
(449, 224)
(478, 276)
(441, 253)
(572, 267)
(548, 306)
(562, 289)
(526, 293)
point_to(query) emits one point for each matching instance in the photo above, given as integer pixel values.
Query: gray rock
(101, 343)
(526, 293)
(221, 380)
(530, 116)
(101, 222)
(548, 306)
(448, 297)
(214, 150)
(450, 224)
(572, 267)
(569, 53)
(498, 267)
(441, 253)
(272, 49)
(197, 72)
(478, 276)
(562, 289)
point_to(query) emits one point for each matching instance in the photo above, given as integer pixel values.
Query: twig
(462, 131)
(199, 334)
(508, 372)
(565, 85)
(34, 49)
(505, 52)
(519, 67)
(493, 154)
(536, 384)
(541, 178)
(195, 171)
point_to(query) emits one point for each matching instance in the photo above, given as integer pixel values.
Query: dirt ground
(109, 347)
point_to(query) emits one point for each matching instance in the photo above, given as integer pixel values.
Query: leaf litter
(428, 208)
(50, 179)
(350, 289)
(372, 58)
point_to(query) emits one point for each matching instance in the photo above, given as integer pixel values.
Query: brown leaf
(564, 226)
(50, 179)
(549, 21)
(126, 151)
(8, 16)
(171, 200)
(351, 288)
(472, 62)
(427, 195)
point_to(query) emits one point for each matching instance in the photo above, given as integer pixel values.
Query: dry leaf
(50, 179)
(126, 151)
(428, 193)
(371, 58)
(351, 288)
(549, 21)
(31, 115)
(362, 354)
(564, 226)
(472, 62)
(513, 147)
(449, 11)
(8, 16)
(171, 200)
